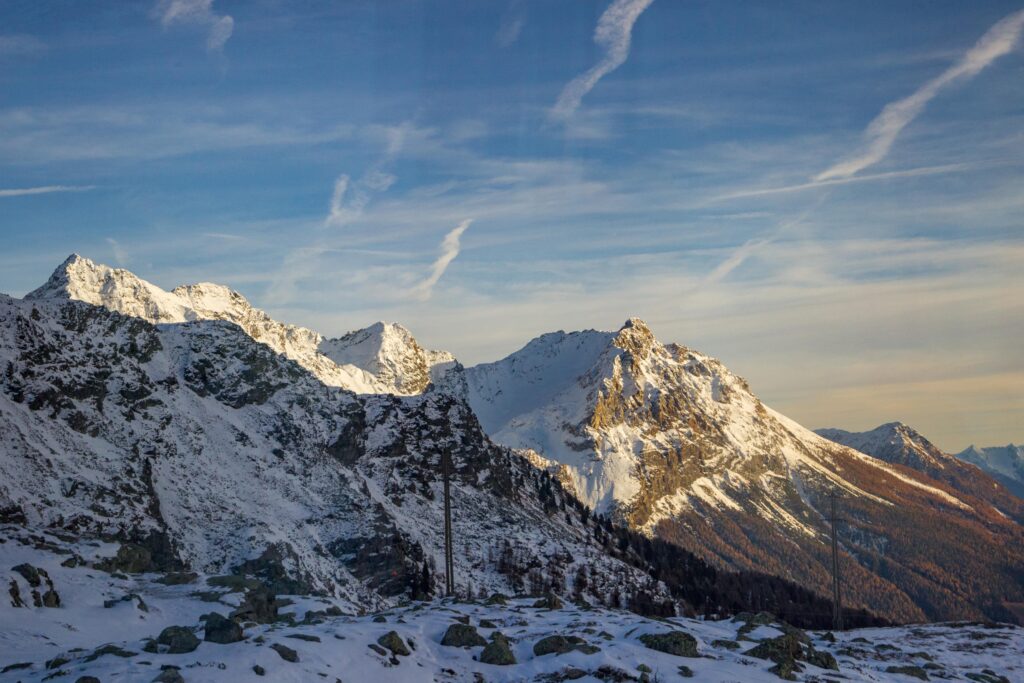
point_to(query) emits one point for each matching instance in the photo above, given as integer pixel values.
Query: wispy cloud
(376, 179)
(613, 33)
(342, 212)
(511, 26)
(449, 250)
(799, 187)
(198, 13)
(133, 131)
(45, 189)
(884, 129)
(120, 255)
(21, 44)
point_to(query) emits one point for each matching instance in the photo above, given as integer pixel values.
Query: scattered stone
(233, 582)
(259, 606)
(822, 660)
(498, 651)
(131, 558)
(259, 670)
(16, 600)
(462, 635)
(178, 640)
(727, 644)
(87, 679)
(109, 650)
(786, 670)
(177, 578)
(685, 671)
(30, 574)
(910, 670)
(496, 599)
(392, 641)
(987, 676)
(303, 636)
(219, 629)
(378, 649)
(673, 642)
(51, 599)
(612, 675)
(169, 676)
(784, 651)
(287, 654)
(549, 601)
(380, 619)
(57, 662)
(15, 667)
(487, 623)
(552, 645)
(73, 561)
(113, 602)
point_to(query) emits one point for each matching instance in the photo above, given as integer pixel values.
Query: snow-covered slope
(195, 445)
(1006, 463)
(383, 358)
(670, 440)
(106, 623)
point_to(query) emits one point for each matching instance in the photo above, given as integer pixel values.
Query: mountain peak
(390, 352)
(635, 337)
(382, 358)
(893, 442)
(63, 279)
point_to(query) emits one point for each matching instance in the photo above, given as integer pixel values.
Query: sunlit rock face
(669, 440)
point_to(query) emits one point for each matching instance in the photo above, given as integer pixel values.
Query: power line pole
(449, 563)
(837, 605)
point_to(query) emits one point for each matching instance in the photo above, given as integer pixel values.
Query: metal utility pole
(837, 605)
(449, 563)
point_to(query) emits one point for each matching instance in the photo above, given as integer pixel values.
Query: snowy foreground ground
(64, 643)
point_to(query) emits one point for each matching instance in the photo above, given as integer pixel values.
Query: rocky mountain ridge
(670, 440)
(901, 444)
(381, 359)
(658, 436)
(194, 445)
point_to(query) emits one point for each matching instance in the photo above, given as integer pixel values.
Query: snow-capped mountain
(196, 446)
(381, 359)
(893, 442)
(1005, 463)
(901, 444)
(670, 440)
(207, 434)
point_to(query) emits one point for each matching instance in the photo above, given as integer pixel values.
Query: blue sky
(719, 175)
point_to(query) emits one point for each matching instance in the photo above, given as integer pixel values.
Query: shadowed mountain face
(671, 441)
(198, 446)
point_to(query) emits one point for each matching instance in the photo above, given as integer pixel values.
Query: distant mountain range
(1004, 463)
(199, 428)
(973, 472)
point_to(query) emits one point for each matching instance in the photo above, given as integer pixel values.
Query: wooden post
(837, 605)
(449, 561)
